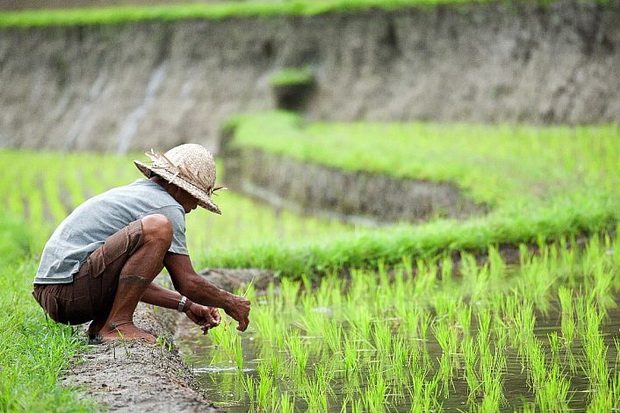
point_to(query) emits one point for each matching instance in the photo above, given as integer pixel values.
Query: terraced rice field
(405, 318)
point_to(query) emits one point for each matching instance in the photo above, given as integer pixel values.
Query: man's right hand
(239, 309)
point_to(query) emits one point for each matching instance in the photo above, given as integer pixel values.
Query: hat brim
(202, 197)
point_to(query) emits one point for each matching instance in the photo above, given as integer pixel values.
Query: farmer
(103, 257)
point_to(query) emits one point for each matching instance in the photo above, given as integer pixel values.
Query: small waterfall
(135, 118)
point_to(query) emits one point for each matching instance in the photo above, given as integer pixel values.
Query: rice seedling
(228, 341)
(298, 353)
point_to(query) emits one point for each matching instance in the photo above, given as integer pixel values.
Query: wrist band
(181, 304)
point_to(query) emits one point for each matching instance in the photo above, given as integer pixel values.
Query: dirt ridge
(357, 197)
(135, 376)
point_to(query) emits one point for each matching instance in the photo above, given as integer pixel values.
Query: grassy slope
(545, 183)
(115, 15)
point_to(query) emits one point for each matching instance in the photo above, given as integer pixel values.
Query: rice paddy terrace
(511, 308)
(398, 318)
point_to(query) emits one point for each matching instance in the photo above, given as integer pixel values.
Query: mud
(136, 86)
(135, 376)
(356, 197)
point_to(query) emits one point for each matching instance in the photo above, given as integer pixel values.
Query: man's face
(187, 201)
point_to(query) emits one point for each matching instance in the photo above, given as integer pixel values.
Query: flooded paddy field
(540, 336)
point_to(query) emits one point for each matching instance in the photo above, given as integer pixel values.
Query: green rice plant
(298, 353)
(249, 386)
(475, 278)
(595, 365)
(447, 337)
(444, 375)
(463, 318)
(423, 393)
(553, 395)
(399, 362)
(524, 325)
(333, 337)
(263, 317)
(470, 359)
(497, 266)
(375, 394)
(315, 393)
(350, 357)
(615, 389)
(360, 320)
(286, 403)
(353, 405)
(425, 280)
(382, 338)
(228, 341)
(536, 280)
(266, 392)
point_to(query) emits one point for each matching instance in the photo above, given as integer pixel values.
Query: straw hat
(190, 167)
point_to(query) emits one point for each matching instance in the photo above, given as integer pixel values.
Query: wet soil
(361, 198)
(136, 376)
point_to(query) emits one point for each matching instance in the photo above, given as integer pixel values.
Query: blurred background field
(514, 104)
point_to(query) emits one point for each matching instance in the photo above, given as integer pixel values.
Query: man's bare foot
(94, 327)
(125, 331)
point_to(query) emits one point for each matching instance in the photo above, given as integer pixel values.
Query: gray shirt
(90, 224)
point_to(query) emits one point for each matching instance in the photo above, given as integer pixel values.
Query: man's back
(88, 226)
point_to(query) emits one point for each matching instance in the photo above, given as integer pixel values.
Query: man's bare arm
(198, 289)
(157, 295)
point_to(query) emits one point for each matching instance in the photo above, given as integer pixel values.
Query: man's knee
(157, 228)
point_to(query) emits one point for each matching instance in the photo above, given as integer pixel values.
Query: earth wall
(124, 87)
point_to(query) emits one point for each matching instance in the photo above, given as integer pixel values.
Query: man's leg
(138, 272)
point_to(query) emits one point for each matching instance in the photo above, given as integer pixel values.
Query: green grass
(498, 164)
(223, 10)
(34, 351)
(52, 184)
(292, 76)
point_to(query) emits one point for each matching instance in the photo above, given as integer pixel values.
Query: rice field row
(507, 166)
(541, 182)
(541, 336)
(45, 187)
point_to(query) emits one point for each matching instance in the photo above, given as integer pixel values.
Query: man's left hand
(205, 317)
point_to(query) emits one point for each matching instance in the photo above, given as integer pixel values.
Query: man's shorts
(91, 294)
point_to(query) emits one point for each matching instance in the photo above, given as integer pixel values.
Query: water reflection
(225, 388)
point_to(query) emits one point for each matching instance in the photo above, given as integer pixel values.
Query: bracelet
(181, 304)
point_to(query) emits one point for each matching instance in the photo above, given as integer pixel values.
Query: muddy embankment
(355, 197)
(135, 86)
(139, 377)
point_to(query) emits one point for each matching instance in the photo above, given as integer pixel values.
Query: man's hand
(239, 309)
(205, 317)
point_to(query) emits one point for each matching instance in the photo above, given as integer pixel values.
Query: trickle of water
(133, 121)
